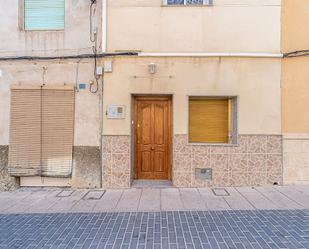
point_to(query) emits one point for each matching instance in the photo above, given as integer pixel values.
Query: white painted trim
(104, 26)
(257, 55)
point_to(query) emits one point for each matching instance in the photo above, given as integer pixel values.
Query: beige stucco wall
(57, 73)
(228, 26)
(256, 82)
(295, 92)
(72, 40)
(294, 17)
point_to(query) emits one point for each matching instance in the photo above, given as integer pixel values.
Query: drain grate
(94, 195)
(220, 192)
(65, 193)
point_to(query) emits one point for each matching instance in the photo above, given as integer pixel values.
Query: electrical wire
(67, 57)
(297, 53)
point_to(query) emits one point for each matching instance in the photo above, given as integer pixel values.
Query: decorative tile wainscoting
(7, 182)
(116, 161)
(256, 160)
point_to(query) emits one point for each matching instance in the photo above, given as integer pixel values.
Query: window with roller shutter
(212, 120)
(43, 14)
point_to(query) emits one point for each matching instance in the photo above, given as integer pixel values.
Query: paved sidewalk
(152, 218)
(153, 199)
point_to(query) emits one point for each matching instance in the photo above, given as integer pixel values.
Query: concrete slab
(25, 200)
(294, 194)
(44, 204)
(109, 201)
(213, 202)
(281, 201)
(256, 198)
(170, 200)
(192, 199)
(303, 188)
(236, 201)
(154, 200)
(150, 200)
(129, 200)
(65, 204)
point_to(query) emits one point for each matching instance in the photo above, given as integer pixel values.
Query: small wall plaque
(116, 112)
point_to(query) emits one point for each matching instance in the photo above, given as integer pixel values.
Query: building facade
(295, 92)
(191, 94)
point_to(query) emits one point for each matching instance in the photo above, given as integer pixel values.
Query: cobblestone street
(261, 217)
(185, 229)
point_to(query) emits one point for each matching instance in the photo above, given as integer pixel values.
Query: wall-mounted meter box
(116, 112)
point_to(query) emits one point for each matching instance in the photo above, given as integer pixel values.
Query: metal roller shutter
(208, 120)
(41, 131)
(57, 135)
(44, 14)
(25, 132)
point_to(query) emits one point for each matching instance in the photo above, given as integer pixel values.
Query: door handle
(152, 148)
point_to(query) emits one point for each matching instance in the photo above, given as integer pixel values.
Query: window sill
(43, 30)
(214, 144)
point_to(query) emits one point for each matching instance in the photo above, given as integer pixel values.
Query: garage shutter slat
(57, 139)
(25, 132)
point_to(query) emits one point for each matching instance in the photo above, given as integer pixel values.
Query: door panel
(159, 124)
(146, 161)
(152, 133)
(159, 164)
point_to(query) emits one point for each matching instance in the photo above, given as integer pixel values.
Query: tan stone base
(296, 159)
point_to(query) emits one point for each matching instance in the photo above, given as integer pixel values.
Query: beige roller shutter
(41, 131)
(25, 132)
(57, 135)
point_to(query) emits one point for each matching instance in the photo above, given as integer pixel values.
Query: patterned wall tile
(200, 149)
(120, 180)
(121, 163)
(219, 149)
(107, 144)
(182, 179)
(221, 179)
(257, 144)
(219, 162)
(181, 144)
(121, 144)
(242, 145)
(238, 162)
(257, 162)
(201, 161)
(257, 178)
(182, 162)
(274, 144)
(274, 168)
(238, 178)
(116, 159)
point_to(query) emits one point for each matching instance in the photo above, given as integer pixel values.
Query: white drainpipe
(104, 26)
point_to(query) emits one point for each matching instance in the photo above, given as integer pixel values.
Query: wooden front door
(152, 127)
